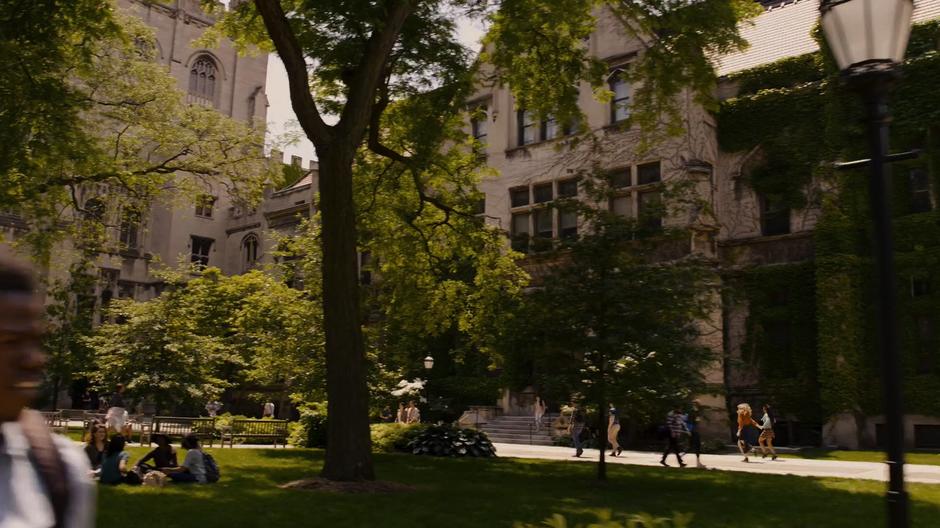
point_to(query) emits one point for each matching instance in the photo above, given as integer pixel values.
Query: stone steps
(519, 430)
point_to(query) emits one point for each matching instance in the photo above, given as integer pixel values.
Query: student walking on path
(744, 419)
(695, 440)
(766, 440)
(676, 426)
(575, 428)
(613, 431)
(539, 412)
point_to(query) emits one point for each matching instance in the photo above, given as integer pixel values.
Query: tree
(364, 55)
(613, 318)
(93, 116)
(208, 334)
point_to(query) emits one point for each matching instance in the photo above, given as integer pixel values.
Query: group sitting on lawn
(110, 462)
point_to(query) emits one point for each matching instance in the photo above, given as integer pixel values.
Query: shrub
(447, 440)
(606, 519)
(394, 437)
(310, 430)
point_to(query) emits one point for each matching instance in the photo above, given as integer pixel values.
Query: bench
(273, 430)
(179, 426)
(55, 422)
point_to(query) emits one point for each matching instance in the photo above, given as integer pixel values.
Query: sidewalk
(781, 466)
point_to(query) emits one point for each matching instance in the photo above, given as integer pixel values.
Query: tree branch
(288, 48)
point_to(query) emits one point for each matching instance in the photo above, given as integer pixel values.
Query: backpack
(212, 469)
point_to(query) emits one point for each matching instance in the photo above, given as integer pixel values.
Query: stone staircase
(519, 430)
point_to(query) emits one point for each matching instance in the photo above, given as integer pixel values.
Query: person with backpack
(52, 486)
(197, 466)
(766, 439)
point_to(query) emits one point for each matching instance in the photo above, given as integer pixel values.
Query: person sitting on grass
(114, 467)
(194, 466)
(96, 447)
(163, 455)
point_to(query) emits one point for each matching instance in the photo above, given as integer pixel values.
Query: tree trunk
(349, 449)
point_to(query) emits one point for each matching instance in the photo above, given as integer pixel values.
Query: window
(622, 206)
(94, 209)
(249, 252)
(202, 76)
(479, 206)
(647, 173)
(204, 205)
(130, 228)
(620, 103)
(519, 196)
(520, 231)
(620, 179)
(200, 250)
(543, 223)
(650, 209)
(568, 188)
(775, 216)
(528, 127)
(920, 191)
(478, 117)
(543, 193)
(365, 270)
(567, 224)
(551, 129)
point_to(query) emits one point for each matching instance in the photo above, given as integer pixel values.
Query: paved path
(781, 466)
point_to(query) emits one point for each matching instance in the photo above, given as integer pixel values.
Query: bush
(606, 519)
(447, 440)
(310, 430)
(394, 437)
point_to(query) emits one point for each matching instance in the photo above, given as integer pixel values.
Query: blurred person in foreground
(43, 478)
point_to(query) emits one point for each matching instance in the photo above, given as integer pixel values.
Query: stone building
(728, 221)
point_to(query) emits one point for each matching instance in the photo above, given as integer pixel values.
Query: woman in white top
(539, 412)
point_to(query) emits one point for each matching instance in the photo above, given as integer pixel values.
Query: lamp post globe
(867, 35)
(428, 363)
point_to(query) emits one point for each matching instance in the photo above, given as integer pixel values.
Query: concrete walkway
(781, 466)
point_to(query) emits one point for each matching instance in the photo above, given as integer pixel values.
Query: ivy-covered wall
(802, 119)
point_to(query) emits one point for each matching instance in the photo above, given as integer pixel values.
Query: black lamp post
(868, 39)
(428, 365)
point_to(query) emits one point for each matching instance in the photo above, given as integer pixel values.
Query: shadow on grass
(496, 492)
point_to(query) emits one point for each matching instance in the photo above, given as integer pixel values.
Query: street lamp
(428, 363)
(868, 39)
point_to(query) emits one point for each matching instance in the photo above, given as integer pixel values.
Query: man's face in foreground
(21, 357)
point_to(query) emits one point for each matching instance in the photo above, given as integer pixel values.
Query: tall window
(202, 76)
(130, 228)
(620, 103)
(249, 252)
(204, 205)
(774, 216)
(920, 191)
(520, 231)
(528, 127)
(201, 247)
(638, 195)
(478, 117)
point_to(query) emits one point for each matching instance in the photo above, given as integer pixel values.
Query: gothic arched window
(249, 252)
(202, 76)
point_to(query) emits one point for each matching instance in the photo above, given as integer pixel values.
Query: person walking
(52, 485)
(116, 417)
(539, 412)
(412, 413)
(613, 430)
(267, 410)
(575, 428)
(744, 419)
(766, 439)
(213, 408)
(675, 426)
(695, 439)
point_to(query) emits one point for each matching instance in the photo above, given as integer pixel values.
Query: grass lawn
(483, 493)
(931, 459)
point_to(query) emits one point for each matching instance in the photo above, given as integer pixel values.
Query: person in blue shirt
(115, 468)
(695, 440)
(613, 430)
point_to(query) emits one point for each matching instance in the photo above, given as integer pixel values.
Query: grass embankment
(496, 492)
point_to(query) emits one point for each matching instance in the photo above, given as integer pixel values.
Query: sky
(281, 118)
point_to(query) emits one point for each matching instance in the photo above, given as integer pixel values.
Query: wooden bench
(179, 426)
(273, 430)
(55, 422)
